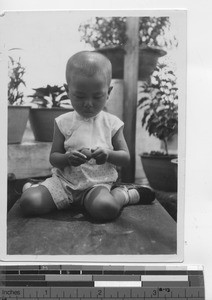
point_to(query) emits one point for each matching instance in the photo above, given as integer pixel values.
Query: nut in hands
(87, 152)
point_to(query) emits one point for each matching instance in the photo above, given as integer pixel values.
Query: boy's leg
(102, 204)
(37, 201)
(47, 196)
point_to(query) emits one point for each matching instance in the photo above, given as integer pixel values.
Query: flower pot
(116, 57)
(175, 162)
(17, 120)
(160, 172)
(148, 58)
(42, 122)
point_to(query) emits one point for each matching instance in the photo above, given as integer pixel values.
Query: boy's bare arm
(119, 156)
(58, 157)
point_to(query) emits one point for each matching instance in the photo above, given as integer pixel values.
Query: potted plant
(148, 59)
(49, 102)
(18, 113)
(108, 36)
(159, 103)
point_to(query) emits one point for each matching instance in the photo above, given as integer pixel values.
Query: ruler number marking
(99, 293)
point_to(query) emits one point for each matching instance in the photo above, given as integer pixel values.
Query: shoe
(146, 193)
(30, 183)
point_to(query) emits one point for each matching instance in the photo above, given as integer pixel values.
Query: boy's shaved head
(88, 63)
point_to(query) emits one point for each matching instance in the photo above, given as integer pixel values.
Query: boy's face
(88, 94)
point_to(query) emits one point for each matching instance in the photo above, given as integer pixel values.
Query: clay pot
(148, 58)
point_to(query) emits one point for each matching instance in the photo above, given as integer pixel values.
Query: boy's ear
(110, 89)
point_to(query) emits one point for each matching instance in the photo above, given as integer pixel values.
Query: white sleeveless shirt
(89, 133)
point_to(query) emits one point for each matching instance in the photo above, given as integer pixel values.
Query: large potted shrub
(108, 36)
(159, 103)
(148, 59)
(49, 102)
(18, 113)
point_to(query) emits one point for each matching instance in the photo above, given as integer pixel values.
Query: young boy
(87, 146)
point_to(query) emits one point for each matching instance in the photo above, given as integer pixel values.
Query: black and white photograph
(95, 135)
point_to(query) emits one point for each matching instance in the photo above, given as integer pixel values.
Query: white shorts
(63, 196)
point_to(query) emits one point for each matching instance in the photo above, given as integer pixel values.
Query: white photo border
(182, 63)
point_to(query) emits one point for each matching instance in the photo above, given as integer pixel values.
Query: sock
(134, 196)
(124, 192)
(28, 185)
(130, 196)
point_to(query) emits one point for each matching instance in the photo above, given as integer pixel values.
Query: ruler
(74, 282)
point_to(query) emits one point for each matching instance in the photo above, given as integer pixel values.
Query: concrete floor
(141, 229)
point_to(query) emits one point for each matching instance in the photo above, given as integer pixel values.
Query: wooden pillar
(130, 93)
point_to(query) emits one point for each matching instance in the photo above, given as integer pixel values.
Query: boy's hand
(87, 152)
(76, 158)
(100, 155)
